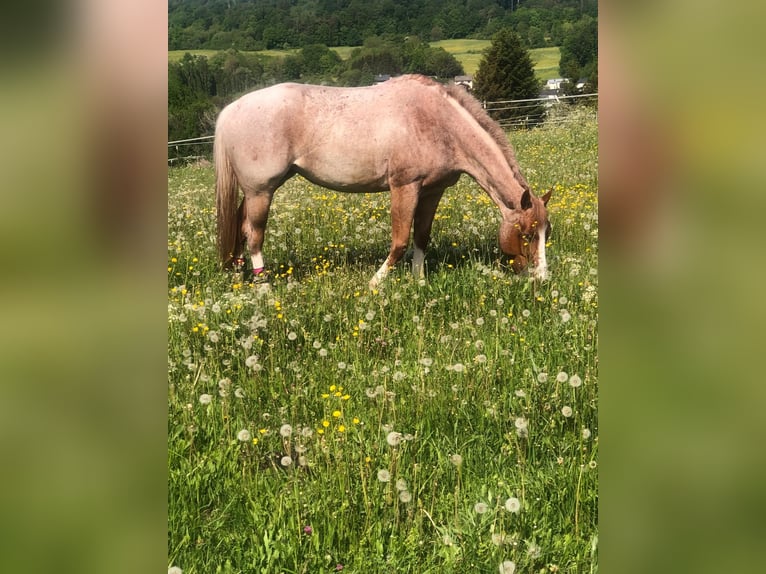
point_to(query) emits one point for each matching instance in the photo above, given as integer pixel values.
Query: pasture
(468, 52)
(445, 425)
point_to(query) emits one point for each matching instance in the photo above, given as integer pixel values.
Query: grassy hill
(468, 52)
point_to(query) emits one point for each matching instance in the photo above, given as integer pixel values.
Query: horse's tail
(226, 204)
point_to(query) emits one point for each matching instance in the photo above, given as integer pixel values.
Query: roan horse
(410, 135)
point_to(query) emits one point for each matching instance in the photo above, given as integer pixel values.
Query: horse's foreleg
(256, 213)
(403, 202)
(424, 218)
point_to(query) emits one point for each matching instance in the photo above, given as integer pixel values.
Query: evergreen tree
(506, 73)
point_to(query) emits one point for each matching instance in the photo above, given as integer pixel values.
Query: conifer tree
(506, 73)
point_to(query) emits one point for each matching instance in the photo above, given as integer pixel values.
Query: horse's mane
(489, 125)
(475, 108)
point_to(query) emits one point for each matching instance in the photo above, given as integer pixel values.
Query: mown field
(468, 52)
(448, 425)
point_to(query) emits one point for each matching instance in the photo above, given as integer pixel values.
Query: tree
(579, 53)
(506, 73)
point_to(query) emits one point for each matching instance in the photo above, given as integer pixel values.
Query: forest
(285, 24)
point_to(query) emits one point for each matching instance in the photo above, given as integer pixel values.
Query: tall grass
(445, 425)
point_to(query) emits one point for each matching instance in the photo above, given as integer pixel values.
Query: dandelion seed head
(512, 505)
(542, 377)
(292, 335)
(586, 434)
(405, 496)
(322, 352)
(286, 461)
(507, 567)
(394, 438)
(520, 423)
(592, 464)
(561, 377)
(533, 550)
(205, 399)
(480, 507)
(175, 570)
(575, 381)
(286, 430)
(566, 411)
(384, 475)
(401, 484)
(520, 393)
(244, 435)
(456, 459)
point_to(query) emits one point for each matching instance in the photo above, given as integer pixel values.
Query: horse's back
(350, 139)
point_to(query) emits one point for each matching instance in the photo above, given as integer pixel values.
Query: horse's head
(523, 234)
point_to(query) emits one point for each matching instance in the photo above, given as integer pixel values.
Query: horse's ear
(526, 200)
(547, 197)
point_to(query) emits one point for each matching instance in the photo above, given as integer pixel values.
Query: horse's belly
(342, 174)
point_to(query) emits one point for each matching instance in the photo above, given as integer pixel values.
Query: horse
(410, 135)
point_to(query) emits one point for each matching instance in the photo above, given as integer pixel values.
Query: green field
(445, 425)
(468, 52)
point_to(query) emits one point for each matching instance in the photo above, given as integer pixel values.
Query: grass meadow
(448, 425)
(468, 52)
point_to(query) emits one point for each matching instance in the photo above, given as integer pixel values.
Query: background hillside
(284, 24)
(220, 49)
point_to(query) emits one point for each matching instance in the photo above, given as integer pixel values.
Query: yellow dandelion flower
(341, 428)
(262, 431)
(332, 388)
(320, 431)
(356, 421)
(336, 414)
(325, 396)
(255, 441)
(345, 397)
(325, 424)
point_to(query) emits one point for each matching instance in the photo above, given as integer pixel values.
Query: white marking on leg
(257, 260)
(380, 274)
(541, 270)
(418, 258)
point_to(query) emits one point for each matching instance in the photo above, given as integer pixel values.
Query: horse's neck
(486, 163)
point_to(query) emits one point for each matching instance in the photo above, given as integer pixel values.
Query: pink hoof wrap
(258, 270)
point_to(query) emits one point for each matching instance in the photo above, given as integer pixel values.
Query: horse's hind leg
(424, 218)
(255, 216)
